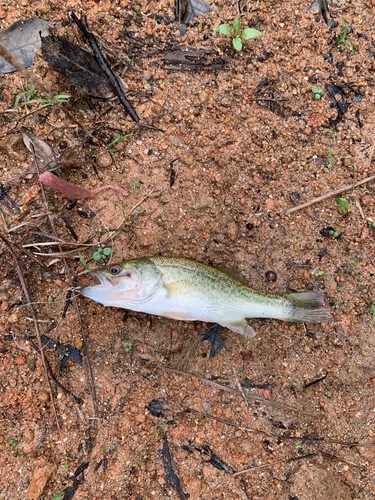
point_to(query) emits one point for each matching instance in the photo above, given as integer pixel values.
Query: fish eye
(115, 270)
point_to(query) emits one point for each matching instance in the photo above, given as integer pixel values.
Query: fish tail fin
(307, 307)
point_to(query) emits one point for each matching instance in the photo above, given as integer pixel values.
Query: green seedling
(280, 375)
(329, 157)
(117, 139)
(70, 36)
(128, 347)
(83, 262)
(335, 306)
(59, 496)
(319, 273)
(14, 442)
(102, 253)
(245, 396)
(333, 137)
(30, 94)
(234, 33)
(301, 447)
(126, 216)
(317, 92)
(373, 311)
(65, 468)
(335, 234)
(343, 203)
(341, 39)
(373, 225)
(50, 298)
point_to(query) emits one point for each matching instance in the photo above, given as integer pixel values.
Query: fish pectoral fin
(177, 288)
(241, 327)
(182, 316)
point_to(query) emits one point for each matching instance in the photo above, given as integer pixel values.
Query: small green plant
(50, 298)
(83, 262)
(329, 157)
(234, 33)
(372, 305)
(335, 234)
(117, 139)
(317, 92)
(102, 253)
(319, 273)
(333, 134)
(373, 225)
(299, 446)
(30, 94)
(59, 496)
(245, 396)
(341, 39)
(128, 347)
(14, 442)
(343, 203)
(335, 306)
(65, 468)
(126, 216)
(280, 375)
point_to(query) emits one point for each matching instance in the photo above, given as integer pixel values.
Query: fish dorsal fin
(233, 273)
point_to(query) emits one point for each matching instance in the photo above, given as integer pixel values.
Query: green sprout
(301, 447)
(341, 39)
(336, 305)
(102, 253)
(117, 139)
(333, 137)
(128, 347)
(372, 305)
(329, 157)
(50, 298)
(65, 468)
(318, 273)
(59, 496)
(373, 225)
(14, 442)
(343, 203)
(280, 375)
(335, 234)
(245, 396)
(234, 33)
(317, 92)
(83, 262)
(126, 216)
(30, 94)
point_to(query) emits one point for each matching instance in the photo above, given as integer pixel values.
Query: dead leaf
(41, 476)
(76, 65)
(72, 190)
(36, 144)
(21, 39)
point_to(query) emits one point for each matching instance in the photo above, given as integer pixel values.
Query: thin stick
(330, 195)
(338, 191)
(13, 244)
(36, 326)
(86, 358)
(82, 24)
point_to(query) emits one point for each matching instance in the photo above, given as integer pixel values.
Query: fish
(187, 290)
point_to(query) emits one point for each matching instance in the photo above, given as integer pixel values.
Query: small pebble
(271, 276)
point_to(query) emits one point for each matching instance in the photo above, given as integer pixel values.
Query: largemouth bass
(187, 290)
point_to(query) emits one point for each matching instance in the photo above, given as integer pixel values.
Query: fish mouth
(101, 281)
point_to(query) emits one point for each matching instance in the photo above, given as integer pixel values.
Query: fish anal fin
(182, 316)
(240, 327)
